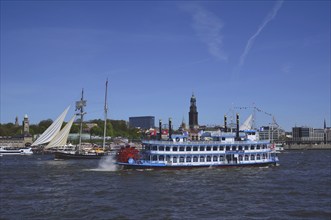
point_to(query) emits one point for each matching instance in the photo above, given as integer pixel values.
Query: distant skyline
(272, 55)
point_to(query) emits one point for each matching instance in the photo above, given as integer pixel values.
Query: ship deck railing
(205, 143)
(224, 152)
(206, 163)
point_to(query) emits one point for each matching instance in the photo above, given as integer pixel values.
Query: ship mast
(80, 107)
(105, 126)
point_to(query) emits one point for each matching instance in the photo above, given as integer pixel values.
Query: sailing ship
(56, 138)
(80, 153)
(53, 136)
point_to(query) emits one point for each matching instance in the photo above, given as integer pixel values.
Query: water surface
(38, 187)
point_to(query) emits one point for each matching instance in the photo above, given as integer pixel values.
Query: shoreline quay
(308, 147)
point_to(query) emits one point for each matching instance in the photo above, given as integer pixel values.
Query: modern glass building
(143, 122)
(309, 135)
(271, 133)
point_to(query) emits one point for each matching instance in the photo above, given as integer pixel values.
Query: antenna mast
(80, 107)
(106, 110)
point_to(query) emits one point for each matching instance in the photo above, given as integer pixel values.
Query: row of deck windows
(208, 148)
(208, 158)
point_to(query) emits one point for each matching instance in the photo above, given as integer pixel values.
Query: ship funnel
(160, 129)
(170, 128)
(225, 124)
(237, 130)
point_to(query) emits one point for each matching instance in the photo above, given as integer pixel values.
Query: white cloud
(208, 28)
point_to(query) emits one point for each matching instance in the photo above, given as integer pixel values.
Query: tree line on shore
(115, 128)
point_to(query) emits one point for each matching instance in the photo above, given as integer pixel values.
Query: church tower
(16, 122)
(26, 125)
(193, 114)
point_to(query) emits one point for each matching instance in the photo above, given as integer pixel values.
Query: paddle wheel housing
(125, 153)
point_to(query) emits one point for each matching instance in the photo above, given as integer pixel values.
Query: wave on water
(107, 164)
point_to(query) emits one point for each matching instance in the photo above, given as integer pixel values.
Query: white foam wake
(107, 164)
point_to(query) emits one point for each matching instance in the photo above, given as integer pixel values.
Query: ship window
(174, 159)
(195, 148)
(246, 157)
(181, 148)
(167, 158)
(246, 147)
(202, 159)
(208, 148)
(264, 146)
(263, 156)
(174, 149)
(240, 148)
(161, 148)
(154, 158)
(195, 159)
(240, 158)
(208, 158)
(147, 147)
(181, 160)
(234, 148)
(252, 157)
(258, 157)
(221, 158)
(188, 148)
(258, 147)
(161, 158)
(223, 138)
(202, 148)
(188, 159)
(227, 148)
(167, 148)
(221, 148)
(252, 147)
(154, 148)
(215, 148)
(215, 158)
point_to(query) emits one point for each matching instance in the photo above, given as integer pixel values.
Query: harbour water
(38, 187)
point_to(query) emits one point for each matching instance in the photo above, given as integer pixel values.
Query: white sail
(52, 130)
(61, 138)
(248, 124)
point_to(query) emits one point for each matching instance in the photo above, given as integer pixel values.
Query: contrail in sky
(251, 40)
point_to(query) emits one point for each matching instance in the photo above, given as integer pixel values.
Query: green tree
(75, 128)
(115, 128)
(43, 125)
(10, 129)
(96, 131)
(110, 129)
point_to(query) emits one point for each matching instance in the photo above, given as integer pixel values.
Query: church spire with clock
(193, 114)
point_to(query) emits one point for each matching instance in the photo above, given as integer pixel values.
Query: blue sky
(274, 55)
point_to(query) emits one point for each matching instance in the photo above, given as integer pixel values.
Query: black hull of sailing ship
(66, 156)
